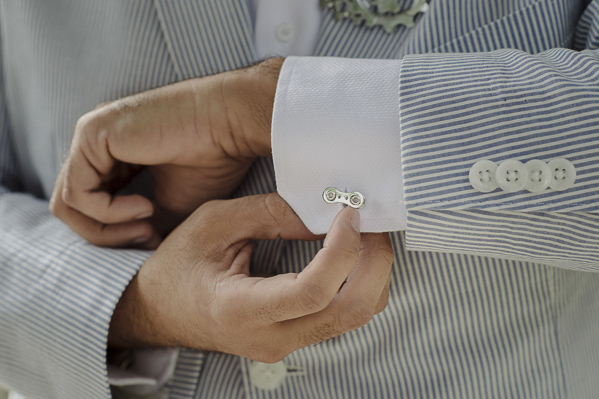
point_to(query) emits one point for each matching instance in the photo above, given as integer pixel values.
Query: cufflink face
(331, 195)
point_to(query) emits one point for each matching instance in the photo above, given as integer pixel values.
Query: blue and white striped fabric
(461, 325)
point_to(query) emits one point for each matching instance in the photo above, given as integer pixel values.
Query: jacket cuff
(506, 107)
(61, 300)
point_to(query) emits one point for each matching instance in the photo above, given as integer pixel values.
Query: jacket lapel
(206, 37)
(452, 26)
(482, 25)
(444, 22)
(211, 36)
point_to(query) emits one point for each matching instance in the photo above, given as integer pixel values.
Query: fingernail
(144, 215)
(140, 240)
(354, 219)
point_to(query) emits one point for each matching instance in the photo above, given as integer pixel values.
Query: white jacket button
(482, 176)
(267, 376)
(539, 176)
(511, 176)
(563, 174)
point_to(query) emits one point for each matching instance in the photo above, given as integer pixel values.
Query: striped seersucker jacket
(478, 308)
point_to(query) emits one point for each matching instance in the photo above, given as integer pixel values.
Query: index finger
(81, 191)
(289, 296)
(113, 235)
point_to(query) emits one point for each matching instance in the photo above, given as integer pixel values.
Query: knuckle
(54, 207)
(379, 245)
(382, 304)
(271, 354)
(326, 326)
(380, 307)
(386, 252)
(209, 211)
(102, 217)
(268, 314)
(100, 242)
(95, 238)
(345, 254)
(378, 254)
(102, 213)
(313, 298)
(68, 195)
(144, 229)
(92, 130)
(207, 214)
(99, 238)
(277, 208)
(224, 307)
(356, 315)
(82, 124)
(228, 306)
(85, 124)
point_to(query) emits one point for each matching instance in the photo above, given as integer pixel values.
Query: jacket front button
(563, 174)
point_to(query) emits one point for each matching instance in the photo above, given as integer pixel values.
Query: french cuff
(336, 124)
(96, 292)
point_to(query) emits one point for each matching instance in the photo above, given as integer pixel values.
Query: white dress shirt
(284, 27)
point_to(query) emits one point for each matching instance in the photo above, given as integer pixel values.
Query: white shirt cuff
(148, 371)
(336, 124)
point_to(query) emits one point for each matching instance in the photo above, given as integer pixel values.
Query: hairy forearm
(136, 322)
(254, 88)
(129, 320)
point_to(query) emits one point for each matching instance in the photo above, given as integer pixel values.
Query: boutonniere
(385, 13)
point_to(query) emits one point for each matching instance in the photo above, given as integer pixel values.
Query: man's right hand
(196, 290)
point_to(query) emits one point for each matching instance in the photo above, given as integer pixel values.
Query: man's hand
(199, 138)
(196, 290)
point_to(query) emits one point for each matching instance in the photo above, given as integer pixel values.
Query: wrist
(128, 320)
(257, 87)
(150, 315)
(135, 322)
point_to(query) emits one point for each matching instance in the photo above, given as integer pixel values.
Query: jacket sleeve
(454, 111)
(458, 109)
(57, 293)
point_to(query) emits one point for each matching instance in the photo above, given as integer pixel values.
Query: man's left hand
(198, 137)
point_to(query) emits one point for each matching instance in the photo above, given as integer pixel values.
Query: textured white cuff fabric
(336, 124)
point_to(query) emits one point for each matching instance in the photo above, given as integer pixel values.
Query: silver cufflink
(331, 195)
